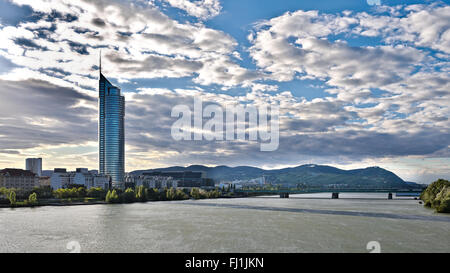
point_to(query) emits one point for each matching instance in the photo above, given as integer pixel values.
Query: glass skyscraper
(111, 131)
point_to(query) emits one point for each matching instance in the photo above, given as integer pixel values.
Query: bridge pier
(390, 196)
(284, 195)
(335, 195)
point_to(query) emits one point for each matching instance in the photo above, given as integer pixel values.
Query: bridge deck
(304, 191)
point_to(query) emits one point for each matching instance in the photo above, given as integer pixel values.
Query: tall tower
(111, 131)
(34, 165)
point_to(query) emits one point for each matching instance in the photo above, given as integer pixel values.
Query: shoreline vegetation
(78, 195)
(437, 196)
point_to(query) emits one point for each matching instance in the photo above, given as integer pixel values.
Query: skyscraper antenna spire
(100, 61)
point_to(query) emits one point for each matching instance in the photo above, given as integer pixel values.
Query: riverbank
(59, 203)
(62, 203)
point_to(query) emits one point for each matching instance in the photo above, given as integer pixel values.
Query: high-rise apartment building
(34, 165)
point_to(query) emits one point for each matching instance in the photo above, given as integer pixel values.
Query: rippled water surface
(302, 223)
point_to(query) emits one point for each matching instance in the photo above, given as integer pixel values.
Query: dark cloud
(29, 44)
(89, 33)
(123, 36)
(98, 22)
(36, 112)
(360, 144)
(44, 32)
(155, 63)
(55, 72)
(170, 40)
(81, 30)
(12, 152)
(77, 47)
(148, 126)
(58, 16)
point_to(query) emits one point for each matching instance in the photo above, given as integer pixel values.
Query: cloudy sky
(359, 83)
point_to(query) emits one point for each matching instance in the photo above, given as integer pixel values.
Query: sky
(358, 83)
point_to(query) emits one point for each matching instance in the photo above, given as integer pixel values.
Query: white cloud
(161, 47)
(203, 9)
(302, 45)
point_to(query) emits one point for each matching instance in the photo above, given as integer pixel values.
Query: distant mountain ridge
(310, 174)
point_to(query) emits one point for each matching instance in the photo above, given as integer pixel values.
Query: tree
(99, 193)
(180, 195)
(170, 194)
(153, 194)
(129, 195)
(112, 197)
(12, 198)
(195, 193)
(437, 195)
(108, 197)
(443, 198)
(213, 194)
(32, 199)
(81, 192)
(43, 191)
(141, 194)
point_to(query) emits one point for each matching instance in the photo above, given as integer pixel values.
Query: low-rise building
(18, 179)
(186, 179)
(82, 176)
(44, 181)
(162, 179)
(61, 179)
(151, 181)
(91, 179)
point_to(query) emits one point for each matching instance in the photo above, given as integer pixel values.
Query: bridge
(284, 193)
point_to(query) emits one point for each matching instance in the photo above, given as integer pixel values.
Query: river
(302, 223)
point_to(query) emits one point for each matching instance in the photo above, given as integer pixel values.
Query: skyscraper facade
(111, 131)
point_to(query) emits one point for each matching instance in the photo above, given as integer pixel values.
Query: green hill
(310, 175)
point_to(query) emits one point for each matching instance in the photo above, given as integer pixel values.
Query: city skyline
(358, 84)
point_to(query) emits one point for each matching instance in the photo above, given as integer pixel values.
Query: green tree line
(130, 195)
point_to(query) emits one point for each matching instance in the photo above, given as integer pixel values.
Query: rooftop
(16, 172)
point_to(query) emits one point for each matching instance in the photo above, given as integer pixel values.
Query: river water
(302, 223)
